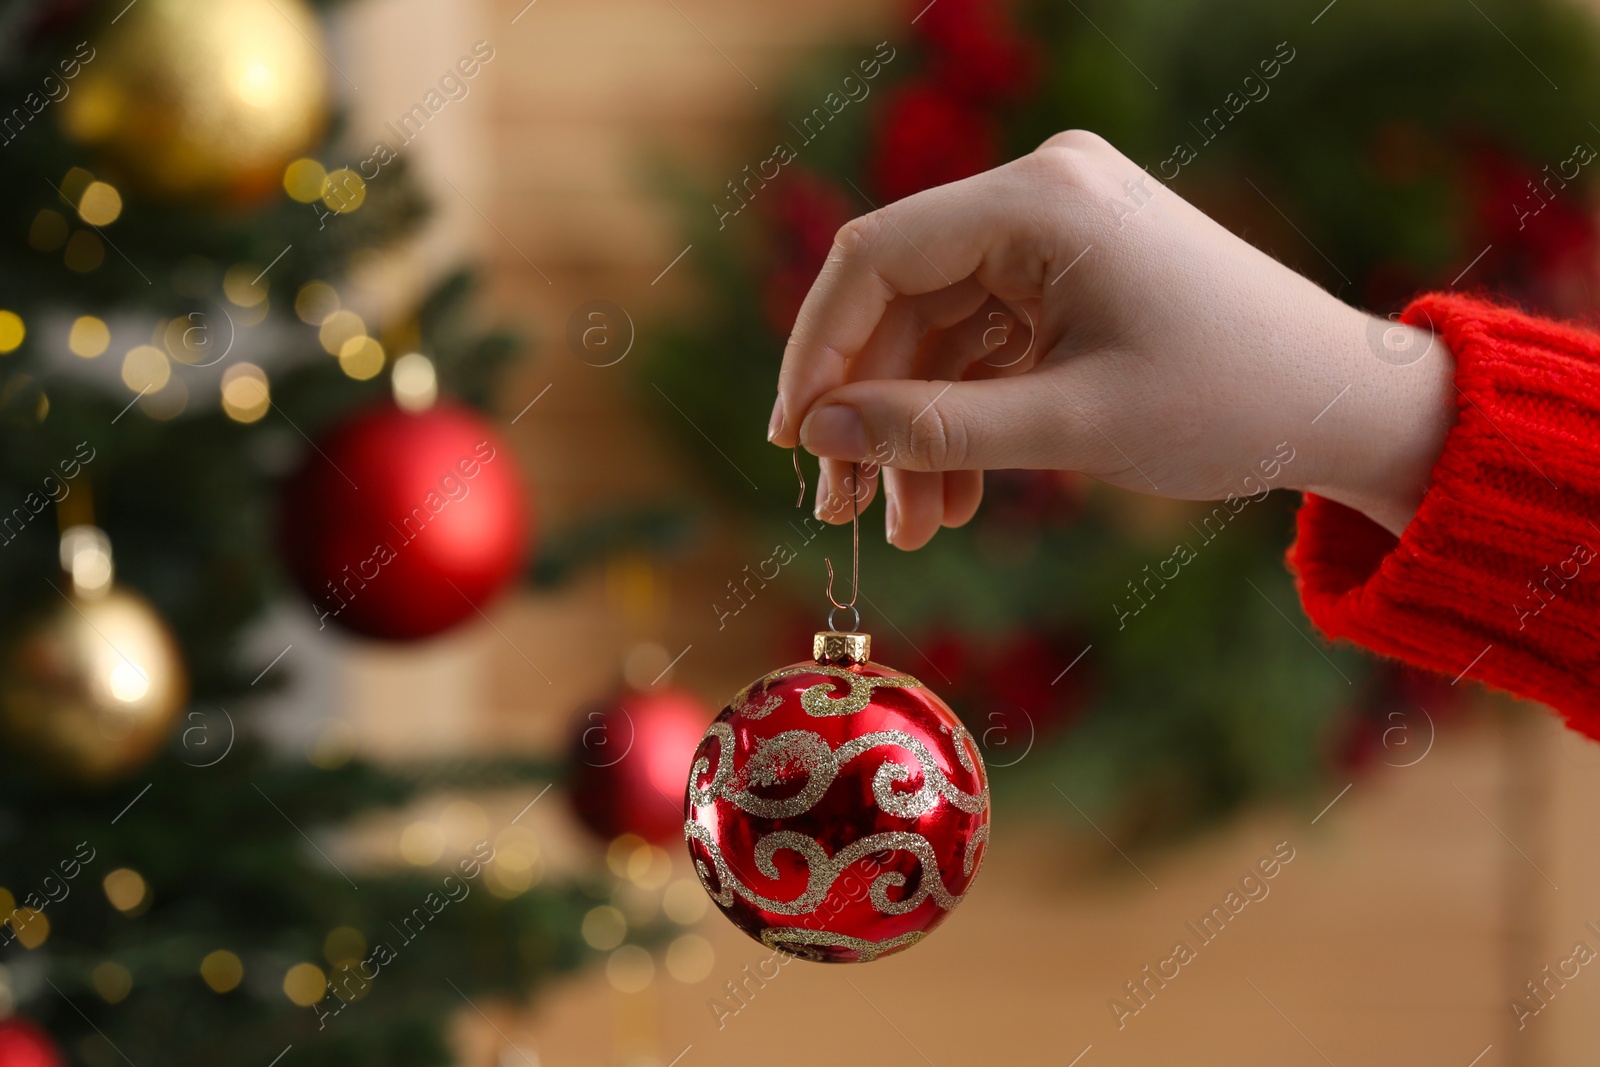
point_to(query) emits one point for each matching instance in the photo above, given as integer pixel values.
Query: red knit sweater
(1497, 578)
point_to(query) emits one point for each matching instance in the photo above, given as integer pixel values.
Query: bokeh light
(303, 180)
(88, 337)
(246, 396)
(100, 204)
(604, 927)
(305, 984)
(145, 368)
(126, 890)
(12, 331)
(222, 971)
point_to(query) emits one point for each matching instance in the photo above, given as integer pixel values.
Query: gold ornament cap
(835, 646)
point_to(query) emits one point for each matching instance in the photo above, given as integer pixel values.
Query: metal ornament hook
(855, 547)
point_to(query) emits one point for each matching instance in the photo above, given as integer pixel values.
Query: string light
(305, 984)
(12, 331)
(415, 382)
(241, 284)
(222, 971)
(126, 890)
(338, 328)
(145, 369)
(245, 393)
(315, 302)
(304, 179)
(621, 849)
(344, 191)
(86, 558)
(31, 926)
(604, 928)
(361, 358)
(88, 337)
(74, 182)
(100, 204)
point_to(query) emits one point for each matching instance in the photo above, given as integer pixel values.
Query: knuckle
(936, 441)
(856, 237)
(1059, 168)
(1076, 141)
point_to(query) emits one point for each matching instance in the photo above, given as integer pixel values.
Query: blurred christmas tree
(174, 334)
(1380, 148)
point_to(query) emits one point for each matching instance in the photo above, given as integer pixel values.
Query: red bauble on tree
(400, 524)
(837, 810)
(630, 755)
(23, 1044)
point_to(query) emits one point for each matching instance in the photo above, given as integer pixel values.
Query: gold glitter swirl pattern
(979, 836)
(724, 735)
(818, 701)
(775, 760)
(798, 941)
(958, 734)
(934, 782)
(796, 752)
(742, 704)
(823, 871)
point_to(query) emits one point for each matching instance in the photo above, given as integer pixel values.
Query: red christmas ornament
(630, 756)
(22, 1044)
(402, 524)
(837, 810)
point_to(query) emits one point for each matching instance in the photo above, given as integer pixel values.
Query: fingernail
(836, 432)
(891, 517)
(775, 423)
(822, 492)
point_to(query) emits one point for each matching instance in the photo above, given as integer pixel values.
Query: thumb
(1019, 421)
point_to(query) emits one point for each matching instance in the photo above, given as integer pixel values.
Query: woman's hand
(1068, 311)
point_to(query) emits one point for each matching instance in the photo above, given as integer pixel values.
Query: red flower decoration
(1031, 675)
(928, 136)
(806, 213)
(1542, 228)
(977, 52)
(1011, 694)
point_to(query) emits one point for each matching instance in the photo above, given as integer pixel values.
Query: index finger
(922, 244)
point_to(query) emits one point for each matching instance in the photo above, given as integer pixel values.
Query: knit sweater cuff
(1497, 577)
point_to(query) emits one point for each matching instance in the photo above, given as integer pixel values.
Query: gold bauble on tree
(203, 98)
(93, 686)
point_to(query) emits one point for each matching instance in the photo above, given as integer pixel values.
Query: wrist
(1385, 436)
